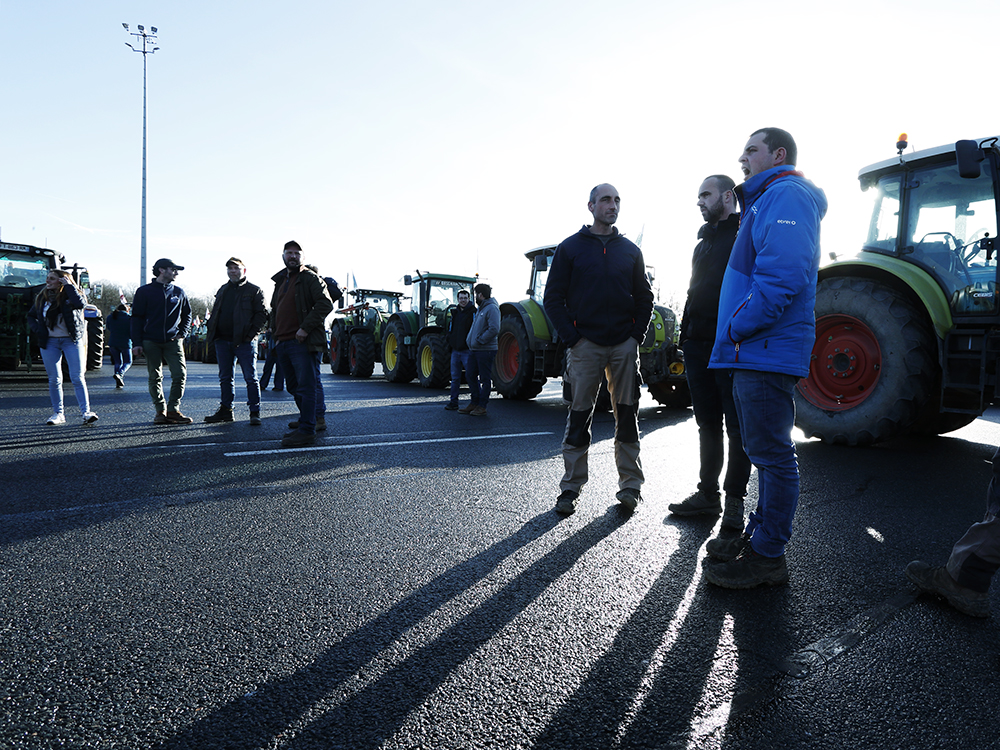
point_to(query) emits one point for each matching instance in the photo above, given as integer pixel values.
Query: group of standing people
(747, 335)
(472, 336)
(160, 319)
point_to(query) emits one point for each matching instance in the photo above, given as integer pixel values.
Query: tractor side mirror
(969, 156)
(408, 280)
(540, 262)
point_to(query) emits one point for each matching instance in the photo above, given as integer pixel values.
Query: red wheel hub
(509, 357)
(846, 364)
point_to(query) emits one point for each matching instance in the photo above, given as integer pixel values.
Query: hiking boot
(748, 570)
(320, 424)
(939, 582)
(175, 417)
(89, 418)
(119, 381)
(726, 548)
(57, 418)
(629, 498)
(732, 516)
(698, 504)
(224, 414)
(451, 407)
(297, 440)
(160, 418)
(566, 502)
(255, 418)
(467, 409)
(479, 411)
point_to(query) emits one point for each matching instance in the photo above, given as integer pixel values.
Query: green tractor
(356, 335)
(415, 343)
(908, 332)
(23, 270)
(529, 350)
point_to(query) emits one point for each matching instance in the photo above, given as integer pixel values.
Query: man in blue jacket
(161, 318)
(765, 336)
(600, 302)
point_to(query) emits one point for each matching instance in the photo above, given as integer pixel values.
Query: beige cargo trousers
(585, 363)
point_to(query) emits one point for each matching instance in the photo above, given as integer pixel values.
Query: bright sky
(451, 136)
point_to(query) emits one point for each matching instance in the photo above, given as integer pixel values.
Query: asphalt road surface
(406, 584)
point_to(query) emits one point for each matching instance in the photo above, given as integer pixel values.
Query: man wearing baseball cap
(238, 317)
(161, 318)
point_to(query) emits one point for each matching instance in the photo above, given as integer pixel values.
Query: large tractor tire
(514, 368)
(671, 395)
(397, 365)
(339, 361)
(361, 355)
(433, 361)
(95, 343)
(873, 364)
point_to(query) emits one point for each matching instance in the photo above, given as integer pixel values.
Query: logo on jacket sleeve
(786, 221)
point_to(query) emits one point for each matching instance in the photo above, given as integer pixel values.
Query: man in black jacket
(600, 302)
(458, 329)
(161, 318)
(712, 390)
(238, 317)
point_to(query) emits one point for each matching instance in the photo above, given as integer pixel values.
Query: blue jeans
(301, 368)
(767, 414)
(246, 354)
(459, 362)
(121, 359)
(712, 399)
(54, 351)
(479, 373)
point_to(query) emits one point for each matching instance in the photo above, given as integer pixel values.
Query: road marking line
(347, 446)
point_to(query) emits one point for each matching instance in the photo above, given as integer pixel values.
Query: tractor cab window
(17, 270)
(539, 276)
(948, 217)
(884, 227)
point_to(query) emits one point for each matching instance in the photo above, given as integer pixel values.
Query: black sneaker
(726, 547)
(298, 440)
(451, 407)
(939, 582)
(566, 502)
(224, 414)
(119, 381)
(698, 504)
(748, 570)
(255, 418)
(629, 498)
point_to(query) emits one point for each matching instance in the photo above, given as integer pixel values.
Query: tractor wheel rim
(509, 358)
(846, 364)
(390, 351)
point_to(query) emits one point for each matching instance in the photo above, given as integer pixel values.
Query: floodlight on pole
(148, 48)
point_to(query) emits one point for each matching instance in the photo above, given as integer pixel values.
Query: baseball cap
(167, 263)
(236, 262)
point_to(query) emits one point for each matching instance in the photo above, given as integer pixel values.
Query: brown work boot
(467, 409)
(160, 418)
(175, 417)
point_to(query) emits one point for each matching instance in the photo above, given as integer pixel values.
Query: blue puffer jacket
(766, 309)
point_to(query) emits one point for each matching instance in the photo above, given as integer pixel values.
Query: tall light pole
(148, 48)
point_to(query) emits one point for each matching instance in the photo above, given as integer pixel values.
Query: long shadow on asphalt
(676, 654)
(375, 713)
